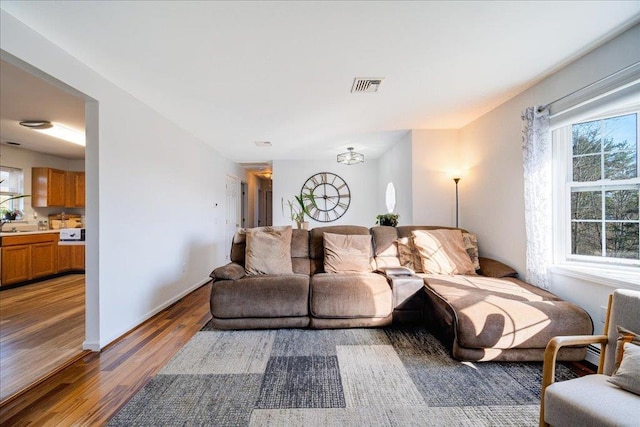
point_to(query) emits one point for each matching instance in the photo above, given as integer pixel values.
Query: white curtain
(537, 155)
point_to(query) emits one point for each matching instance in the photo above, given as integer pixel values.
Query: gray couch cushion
(567, 404)
(261, 296)
(350, 295)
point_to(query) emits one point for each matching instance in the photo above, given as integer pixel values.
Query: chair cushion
(590, 401)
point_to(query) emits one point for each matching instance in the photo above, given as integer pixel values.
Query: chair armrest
(556, 343)
(231, 271)
(493, 268)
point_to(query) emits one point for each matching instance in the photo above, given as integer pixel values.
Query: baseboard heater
(593, 354)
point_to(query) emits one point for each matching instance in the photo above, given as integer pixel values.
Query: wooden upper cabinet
(57, 188)
(74, 194)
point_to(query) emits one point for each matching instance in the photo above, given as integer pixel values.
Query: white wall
(395, 166)
(434, 164)
(493, 201)
(26, 159)
(362, 179)
(154, 233)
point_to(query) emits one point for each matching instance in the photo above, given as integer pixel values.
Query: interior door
(232, 208)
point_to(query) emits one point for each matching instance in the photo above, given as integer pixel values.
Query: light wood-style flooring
(92, 389)
(41, 329)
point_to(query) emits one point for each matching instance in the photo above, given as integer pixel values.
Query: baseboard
(593, 354)
(149, 315)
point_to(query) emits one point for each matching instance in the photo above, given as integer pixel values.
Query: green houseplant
(387, 219)
(298, 209)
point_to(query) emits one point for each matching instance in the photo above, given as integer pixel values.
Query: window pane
(586, 238)
(587, 168)
(621, 204)
(586, 138)
(620, 165)
(586, 205)
(622, 240)
(621, 147)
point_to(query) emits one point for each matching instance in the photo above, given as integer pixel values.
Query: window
(599, 189)
(12, 184)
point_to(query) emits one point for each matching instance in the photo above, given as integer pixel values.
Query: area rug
(347, 377)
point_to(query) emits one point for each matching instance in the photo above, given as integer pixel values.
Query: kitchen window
(12, 184)
(598, 186)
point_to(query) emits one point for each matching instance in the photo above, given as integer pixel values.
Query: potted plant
(390, 219)
(298, 209)
(11, 214)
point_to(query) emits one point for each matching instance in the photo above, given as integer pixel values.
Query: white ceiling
(237, 72)
(26, 97)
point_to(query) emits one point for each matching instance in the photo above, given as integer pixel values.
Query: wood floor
(41, 328)
(91, 390)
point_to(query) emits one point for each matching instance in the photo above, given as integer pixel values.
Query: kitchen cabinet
(70, 258)
(16, 265)
(57, 188)
(29, 257)
(74, 190)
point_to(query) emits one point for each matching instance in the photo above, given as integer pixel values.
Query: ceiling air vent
(366, 84)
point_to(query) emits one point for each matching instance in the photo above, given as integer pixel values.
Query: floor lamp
(456, 180)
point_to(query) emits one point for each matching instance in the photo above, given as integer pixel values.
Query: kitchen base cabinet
(44, 257)
(37, 256)
(16, 264)
(70, 258)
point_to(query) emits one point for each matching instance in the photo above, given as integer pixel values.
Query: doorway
(50, 317)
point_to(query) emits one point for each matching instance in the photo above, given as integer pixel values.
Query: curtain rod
(542, 107)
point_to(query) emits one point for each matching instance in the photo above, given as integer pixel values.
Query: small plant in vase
(387, 219)
(11, 214)
(298, 209)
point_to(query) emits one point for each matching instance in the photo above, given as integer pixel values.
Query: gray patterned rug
(295, 377)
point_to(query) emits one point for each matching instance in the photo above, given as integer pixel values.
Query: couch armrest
(396, 271)
(493, 268)
(231, 271)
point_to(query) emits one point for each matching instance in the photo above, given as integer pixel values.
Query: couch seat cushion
(506, 313)
(350, 295)
(261, 296)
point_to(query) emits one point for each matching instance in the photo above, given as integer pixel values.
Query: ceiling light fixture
(350, 157)
(56, 130)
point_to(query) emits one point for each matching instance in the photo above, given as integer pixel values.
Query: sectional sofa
(491, 315)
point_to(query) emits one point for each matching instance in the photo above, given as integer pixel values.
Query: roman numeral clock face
(331, 196)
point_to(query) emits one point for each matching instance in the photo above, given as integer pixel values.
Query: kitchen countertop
(23, 233)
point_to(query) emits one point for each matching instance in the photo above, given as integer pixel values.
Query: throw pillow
(471, 246)
(442, 252)
(627, 376)
(624, 336)
(347, 253)
(408, 255)
(268, 251)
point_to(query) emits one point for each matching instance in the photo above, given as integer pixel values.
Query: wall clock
(331, 196)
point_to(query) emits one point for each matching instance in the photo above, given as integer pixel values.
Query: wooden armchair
(591, 400)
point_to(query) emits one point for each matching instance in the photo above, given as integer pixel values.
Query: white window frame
(563, 183)
(16, 203)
